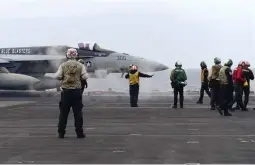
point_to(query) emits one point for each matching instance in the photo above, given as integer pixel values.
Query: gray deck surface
(116, 133)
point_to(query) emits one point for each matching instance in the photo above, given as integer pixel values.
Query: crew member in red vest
(239, 80)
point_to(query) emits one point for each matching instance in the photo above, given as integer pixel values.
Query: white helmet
(178, 63)
(72, 53)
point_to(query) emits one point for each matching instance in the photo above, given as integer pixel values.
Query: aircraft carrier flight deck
(116, 133)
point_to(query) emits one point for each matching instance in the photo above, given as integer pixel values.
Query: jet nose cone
(161, 67)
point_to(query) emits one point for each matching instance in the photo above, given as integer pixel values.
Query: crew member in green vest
(226, 87)
(134, 81)
(178, 79)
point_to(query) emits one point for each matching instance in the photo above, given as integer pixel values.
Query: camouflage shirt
(71, 73)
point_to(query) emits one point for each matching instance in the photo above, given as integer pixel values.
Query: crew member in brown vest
(71, 73)
(226, 87)
(214, 84)
(204, 82)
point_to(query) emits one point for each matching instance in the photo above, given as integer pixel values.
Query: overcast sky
(165, 31)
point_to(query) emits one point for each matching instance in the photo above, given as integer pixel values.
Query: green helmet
(178, 63)
(81, 61)
(229, 63)
(203, 64)
(217, 60)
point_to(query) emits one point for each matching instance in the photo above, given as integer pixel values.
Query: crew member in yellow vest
(226, 87)
(204, 82)
(214, 83)
(134, 80)
(71, 73)
(248, 74)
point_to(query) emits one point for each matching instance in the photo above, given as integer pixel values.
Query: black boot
(81, 136)
(174, 106)
(244, 109)
(199, 102)
(220, 111)
(226, 113)
(61, 135)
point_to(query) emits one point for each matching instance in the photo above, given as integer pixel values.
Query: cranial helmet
(203, 64)
(217, 60)
(229, 63)
(178, 63)
(133, 67)
(241, 63)
(247, 64)
(72, 53)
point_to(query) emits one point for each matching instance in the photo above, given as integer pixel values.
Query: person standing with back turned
(226, 87)
(178, 79)
(214, 83)
(239, 80)
(204, 82)
(71, 73)
(134, 81)
(248, 74)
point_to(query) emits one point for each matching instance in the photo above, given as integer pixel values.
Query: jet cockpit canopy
(84, 45)
(92, 47)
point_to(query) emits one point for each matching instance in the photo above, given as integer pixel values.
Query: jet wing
(33, 57)
(4, 59)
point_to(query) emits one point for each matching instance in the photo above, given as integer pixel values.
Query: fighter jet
(36, 61)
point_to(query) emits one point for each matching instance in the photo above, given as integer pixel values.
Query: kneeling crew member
(248, 74)
(133, 77)
(226, 87)
(178, 79)
(204, 82)
(71, 73)
(84, 83)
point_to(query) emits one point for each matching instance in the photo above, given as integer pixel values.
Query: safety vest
(246, 74)
(215, 72)
(203, 74)
(71, 75)
(134, 78)
(222, 75)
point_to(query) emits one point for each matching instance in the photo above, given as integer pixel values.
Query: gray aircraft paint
(28, 65)
(37, 61)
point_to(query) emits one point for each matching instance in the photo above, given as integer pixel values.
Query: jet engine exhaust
(13, 81)
(47, 83)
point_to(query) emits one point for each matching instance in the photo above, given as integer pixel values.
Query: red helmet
(247, 64)
(241, 63)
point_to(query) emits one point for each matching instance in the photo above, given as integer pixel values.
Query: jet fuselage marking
(121, 58)
(88, 64)
(23, 51)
